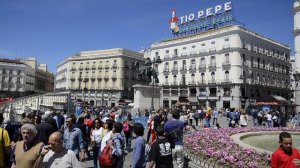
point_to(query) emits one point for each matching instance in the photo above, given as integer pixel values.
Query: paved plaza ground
(221, 120)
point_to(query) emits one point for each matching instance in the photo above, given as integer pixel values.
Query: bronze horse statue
(146, 70)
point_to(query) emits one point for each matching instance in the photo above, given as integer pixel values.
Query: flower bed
(217, 147)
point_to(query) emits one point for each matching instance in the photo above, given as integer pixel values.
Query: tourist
(161, 151)
(174, 131)
(27, 151)
(44, 130)
(138, 155)
(54, 155)
(96, 136)
(215, 116)
(285, 156)
(243, 119)
(4, 142)
(73, 139)
(269, 119)
(117, 145)
(106, 133)
(127, 129)
(191, 116)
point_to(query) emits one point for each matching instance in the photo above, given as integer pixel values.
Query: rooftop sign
(211, 17)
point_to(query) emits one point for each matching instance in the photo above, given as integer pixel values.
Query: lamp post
(156, 60)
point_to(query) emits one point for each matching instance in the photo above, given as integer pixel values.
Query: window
(213, 60)
(227, 75)
(203, 44)
(175, 66)
(193, 78)
(174, 79)
(213, 42)
(202, 77)
(193, 46)
(184, 64)
(175, 52)
(156, 54)
(213, 76)
(226, 58)
(202, 61)
(227, 39)
(184, 48)
(167, 51)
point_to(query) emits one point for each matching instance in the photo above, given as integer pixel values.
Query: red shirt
(282, 160)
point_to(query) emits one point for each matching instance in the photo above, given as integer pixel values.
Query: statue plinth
(143, 97)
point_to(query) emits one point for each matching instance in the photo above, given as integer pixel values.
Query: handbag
(6, 158)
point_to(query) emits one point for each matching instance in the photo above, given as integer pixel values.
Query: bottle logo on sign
(173, 22)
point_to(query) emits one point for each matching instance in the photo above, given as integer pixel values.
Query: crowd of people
(61, 140)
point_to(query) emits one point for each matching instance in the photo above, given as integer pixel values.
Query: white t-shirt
(63, 159)
(106, 137)
(96, 135)
(243, 119)
(269, 117)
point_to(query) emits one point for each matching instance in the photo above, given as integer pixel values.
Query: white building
(223, 67)
(16, 78)
(101, 77)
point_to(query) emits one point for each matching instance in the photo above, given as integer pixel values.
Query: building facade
(101, 77)
(223, 67)
(16, 78)
(44, 80)
(296, 62)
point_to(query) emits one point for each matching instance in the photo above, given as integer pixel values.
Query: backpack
(106, 158)
(126, 127)
(176, 133)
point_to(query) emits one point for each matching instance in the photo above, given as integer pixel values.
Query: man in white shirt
(55, 155)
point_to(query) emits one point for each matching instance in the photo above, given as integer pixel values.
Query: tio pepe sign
(211, 17)
(205, 13)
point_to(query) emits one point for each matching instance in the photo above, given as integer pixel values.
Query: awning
(182, 102)
(124, 101)
(272, 100)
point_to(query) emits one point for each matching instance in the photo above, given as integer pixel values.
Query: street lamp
(156, 60)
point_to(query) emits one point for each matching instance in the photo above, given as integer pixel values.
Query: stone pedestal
(143, 97)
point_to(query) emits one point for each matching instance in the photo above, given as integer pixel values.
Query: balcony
(106, 66)
(114, 77)
(224, 81)
(166, 70)
(106, 77)
(87, 68)
(192, 82)
(182, 83)
(212, 65)
(193, 52)
(175, 70)
(93, 77)
(213, 81)
(73, 68)
(212, 49)
(174, 83)
(174, 55)
(166, 84)
(226, 46)
(72, 78)
(193, 67)
(167, 56)
(202, 51)
(93, 67)
(226, 65)
(100, 67)
(114, 66)
(202, 82)
(81, 68)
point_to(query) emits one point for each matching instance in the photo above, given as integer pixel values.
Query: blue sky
(52, 30)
